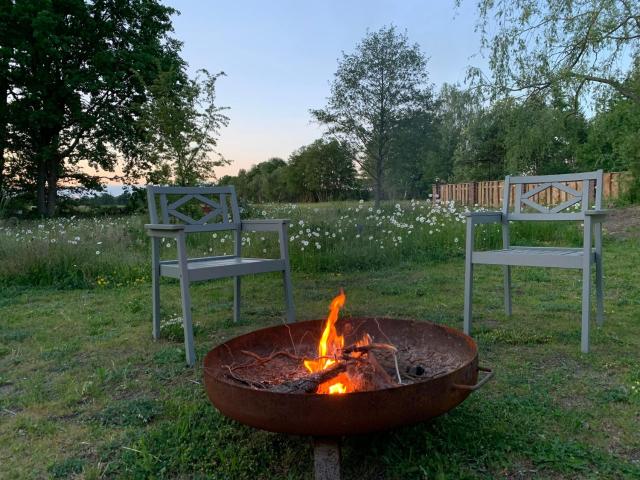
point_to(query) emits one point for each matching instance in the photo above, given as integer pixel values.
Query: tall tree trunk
(378, 179)
(41, 181)
(48, 173)
(52, 185)
(378, 191)
(3, 133)
(5, 11)
(2, 161)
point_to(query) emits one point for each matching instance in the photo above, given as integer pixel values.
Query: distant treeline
(319, 172)
(459, 139)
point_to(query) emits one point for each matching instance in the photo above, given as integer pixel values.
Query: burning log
(364, 375)
(311, 382)
(369, 375)
(364, 372)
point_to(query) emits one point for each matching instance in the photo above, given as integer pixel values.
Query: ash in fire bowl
(346, 356)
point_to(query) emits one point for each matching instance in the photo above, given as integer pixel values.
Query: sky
(280, 56)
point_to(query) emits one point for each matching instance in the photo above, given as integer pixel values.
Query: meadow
(72, 252)
(86, 393)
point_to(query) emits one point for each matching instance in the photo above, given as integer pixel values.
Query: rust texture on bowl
(354, 413)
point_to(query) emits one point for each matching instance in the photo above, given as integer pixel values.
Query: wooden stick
(368, 348)
(310, 383)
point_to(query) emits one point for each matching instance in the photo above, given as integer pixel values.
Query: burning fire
(329, 348)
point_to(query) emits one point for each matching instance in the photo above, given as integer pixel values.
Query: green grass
(86, 393)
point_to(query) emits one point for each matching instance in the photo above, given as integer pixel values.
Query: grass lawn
(86, 393)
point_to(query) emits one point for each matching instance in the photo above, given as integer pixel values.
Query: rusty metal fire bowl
(438, 366)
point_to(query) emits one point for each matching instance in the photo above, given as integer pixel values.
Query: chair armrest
(484, 217)
(163, 229)
(263, 225)
(597, 215)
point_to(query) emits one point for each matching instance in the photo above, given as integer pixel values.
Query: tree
(412, 156)
(515, 137)
(480, 154)
(322, 171)
(373, 89)
(613, 140)
(455, 108)
(76, 82)
(542, 138)
(5, 56)
(264, 182)
(573, 44)
(182, 123)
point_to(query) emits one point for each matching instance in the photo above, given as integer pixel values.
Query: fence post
(473, 193)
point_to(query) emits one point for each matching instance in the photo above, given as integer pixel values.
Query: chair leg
(155, 294)
(468, 295)
(507, 290)
(599, 291)
(236, 299)
(186, 322)
(586, 308)
(155, 287)
(468, 277)
(288, 296)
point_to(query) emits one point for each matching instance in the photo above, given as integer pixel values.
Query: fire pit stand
(326, 458)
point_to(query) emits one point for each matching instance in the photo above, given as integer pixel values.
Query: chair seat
(208, 268)
(533, 257)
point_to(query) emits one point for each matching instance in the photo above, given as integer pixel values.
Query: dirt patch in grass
(6, 389)
(523, 470)
(624, 222)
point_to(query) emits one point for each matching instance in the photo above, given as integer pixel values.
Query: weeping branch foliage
(581, 45)
(587, 51)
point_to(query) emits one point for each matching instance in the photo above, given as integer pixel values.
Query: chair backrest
(200, 209)
(558, 192)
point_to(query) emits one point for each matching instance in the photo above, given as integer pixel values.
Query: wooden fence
(489, 194)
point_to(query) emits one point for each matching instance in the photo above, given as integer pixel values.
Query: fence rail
(489, 193)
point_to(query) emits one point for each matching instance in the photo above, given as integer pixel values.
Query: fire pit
(378, 374)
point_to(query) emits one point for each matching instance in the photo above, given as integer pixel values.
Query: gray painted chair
(525, 208)
(219, 208)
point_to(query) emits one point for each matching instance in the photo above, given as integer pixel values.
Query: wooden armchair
(219, 207)
(526, 208)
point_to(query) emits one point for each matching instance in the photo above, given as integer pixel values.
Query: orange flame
(330, 342)
(330, 345)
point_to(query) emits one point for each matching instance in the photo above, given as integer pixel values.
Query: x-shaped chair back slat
(200, 209)
(528, 194)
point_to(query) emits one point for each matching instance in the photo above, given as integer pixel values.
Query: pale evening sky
(280, 56)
